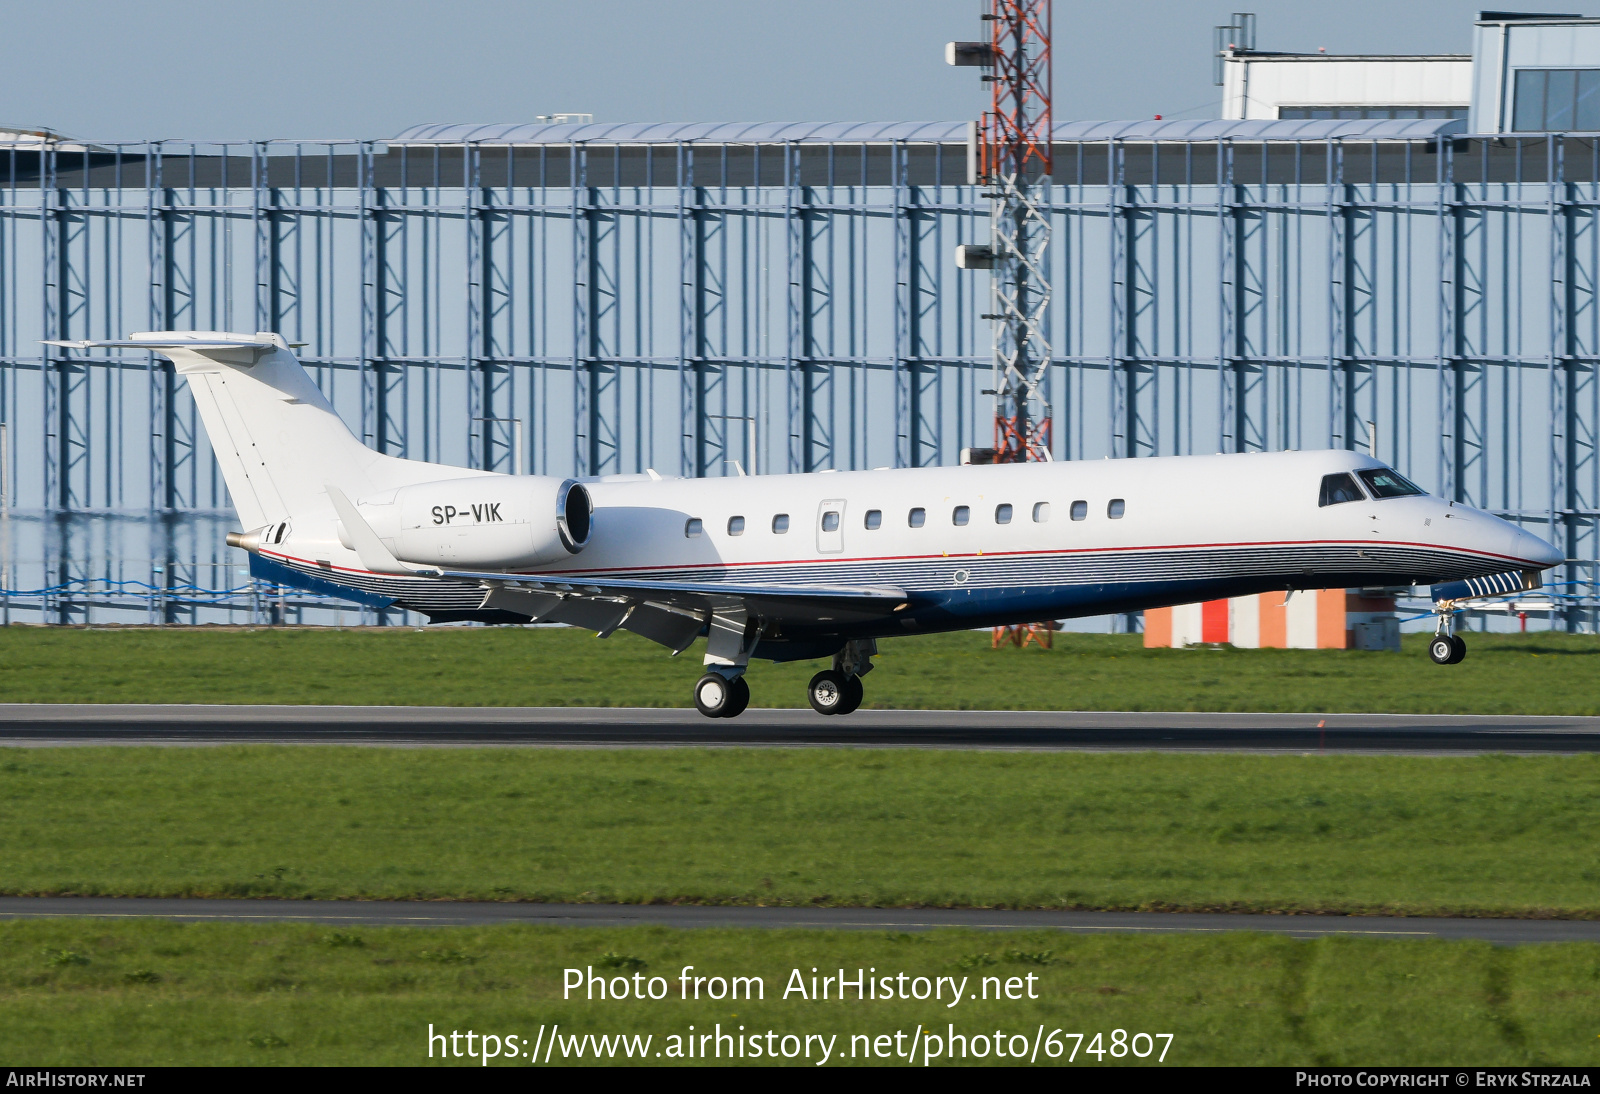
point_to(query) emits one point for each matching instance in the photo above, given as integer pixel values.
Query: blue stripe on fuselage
(265, 569)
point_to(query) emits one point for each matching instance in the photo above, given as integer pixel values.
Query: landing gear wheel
(853, 694)
(1460, 650)
(1442, 648)
(714, 695)
(829, 693)
(738, 700)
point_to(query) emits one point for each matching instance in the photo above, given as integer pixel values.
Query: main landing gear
(718, 696)
(832, 692)
(836, 690)
(1446, 647)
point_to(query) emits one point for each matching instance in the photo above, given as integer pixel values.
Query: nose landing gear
(1446, 647)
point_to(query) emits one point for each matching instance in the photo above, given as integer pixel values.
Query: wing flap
(532, 603)
(664, 626)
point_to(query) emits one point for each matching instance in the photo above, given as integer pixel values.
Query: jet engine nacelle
(488, 522)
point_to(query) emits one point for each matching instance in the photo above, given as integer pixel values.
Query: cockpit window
(1389, 484)
(1339, 488)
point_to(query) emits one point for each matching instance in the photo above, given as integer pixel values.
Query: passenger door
(830, 527)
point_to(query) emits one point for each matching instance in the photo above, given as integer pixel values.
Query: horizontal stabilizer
(174, 344)
(1512, 581)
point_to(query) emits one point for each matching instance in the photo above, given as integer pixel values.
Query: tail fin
(278, 441)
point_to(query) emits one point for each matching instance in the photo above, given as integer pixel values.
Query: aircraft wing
(674, 612)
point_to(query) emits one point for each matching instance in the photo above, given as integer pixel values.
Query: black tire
(853, 694)
(1460, 653)
(827, 692)
(713, 694)
(1442, 647)
(738, 700)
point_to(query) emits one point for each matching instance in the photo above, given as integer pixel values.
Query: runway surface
(465, 914)
(611, 727)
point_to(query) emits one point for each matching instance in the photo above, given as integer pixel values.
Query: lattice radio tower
(1013, 161)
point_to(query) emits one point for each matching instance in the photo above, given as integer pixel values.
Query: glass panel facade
(1398, 110)
(1586, 115)
(1556, 100)
(1527, 111)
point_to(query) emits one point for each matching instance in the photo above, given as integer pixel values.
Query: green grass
(1538, 673)
(118, 993)
(1407, 835)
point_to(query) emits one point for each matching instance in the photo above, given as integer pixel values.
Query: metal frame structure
(1015, 162)
(669, 297)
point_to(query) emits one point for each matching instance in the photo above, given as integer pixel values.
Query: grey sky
(139, 69)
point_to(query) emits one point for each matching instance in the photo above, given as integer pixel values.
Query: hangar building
(1342, 259)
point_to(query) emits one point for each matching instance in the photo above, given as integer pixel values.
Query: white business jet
(792, 567)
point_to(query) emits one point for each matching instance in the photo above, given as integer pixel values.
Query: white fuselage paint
(671, 559)
(792, 566)
(1191, 527)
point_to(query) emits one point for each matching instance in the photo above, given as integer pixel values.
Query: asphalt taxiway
(465, 914)
(23, 724)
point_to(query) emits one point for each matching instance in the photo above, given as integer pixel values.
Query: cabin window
(780, 524)
(1116, 508)
(1002, 514)
(736, 526)
(830, 521)
(874, 519)
(1338, 489)
(960, 515)
(917, 518)
(1389, 484)
(1080, 510)
(1041, 512)
(693, 528)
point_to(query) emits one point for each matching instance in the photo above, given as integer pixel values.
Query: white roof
(919, 132)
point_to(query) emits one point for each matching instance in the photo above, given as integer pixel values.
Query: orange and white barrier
(1314, 619)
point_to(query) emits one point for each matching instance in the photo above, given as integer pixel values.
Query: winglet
(368, 547)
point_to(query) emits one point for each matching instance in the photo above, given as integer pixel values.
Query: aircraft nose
(1530, 548)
